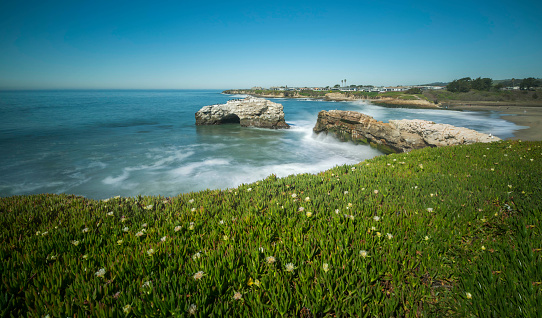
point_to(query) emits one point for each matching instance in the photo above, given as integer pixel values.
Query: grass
(452, 231)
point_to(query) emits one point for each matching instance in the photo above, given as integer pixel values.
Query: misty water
(101, 144)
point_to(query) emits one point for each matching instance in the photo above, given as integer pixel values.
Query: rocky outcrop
(397, 135)
(249, 112)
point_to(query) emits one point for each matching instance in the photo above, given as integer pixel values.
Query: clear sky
(239, 44)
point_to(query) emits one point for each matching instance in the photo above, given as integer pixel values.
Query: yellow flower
(119, 242)
(75, 243)
(150, 252)
(308, 214)
(378, 234)
(483, 248)
(390, 236)
(468, 295)
(127, 309)
(325, 267)
(270, 259)
(426, 238)
(363, 253)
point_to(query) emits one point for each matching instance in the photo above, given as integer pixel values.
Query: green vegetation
(453, 231)
(445, 96)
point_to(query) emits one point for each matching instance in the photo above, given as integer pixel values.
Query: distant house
(257, 88)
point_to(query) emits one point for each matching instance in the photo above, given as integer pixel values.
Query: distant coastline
(527, 113)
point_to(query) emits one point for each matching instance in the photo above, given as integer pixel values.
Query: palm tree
(345, 82)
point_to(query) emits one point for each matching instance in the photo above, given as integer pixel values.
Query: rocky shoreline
(397, 135)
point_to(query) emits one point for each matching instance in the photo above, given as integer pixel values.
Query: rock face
(397, 135)
(249, 112)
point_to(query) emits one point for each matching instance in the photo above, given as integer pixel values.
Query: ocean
(101, 144)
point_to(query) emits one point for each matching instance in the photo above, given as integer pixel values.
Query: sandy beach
(529, 116)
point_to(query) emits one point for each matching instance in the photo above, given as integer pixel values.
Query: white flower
(373, 228)
(429, 209)
(146, 284)
(426, 238)
(85, 230)
(192, 309)
(345, 192)
(261, 249)
(237, 296)
(148, 207)
(353, 168)
(290, 267)
(38, 233)
(390, 236)
(193, 209)
(150, 252)
(105, 200)
(221, 222)
(468, 295)
(75, 243)
(308, 214)
(125, 229)
(100, 273)
(163, 239)
(307, 199)
(249, 189)
(270, 259)
(196, 256)
(191, 201)
(225, 237)
(117, 197)
(375, 191)
(110, 213)
(376, 218)
(119, 242)
(336, 211)
(85, 256)
(325, 267)
(177, 228)
(294, 195)
(349, 204)
(127, 309)
(191, 226)
(138, 234)
(198, 275)
(301, 209)
(44, 233)
(144, 225)
(363, 253)
(123, 219)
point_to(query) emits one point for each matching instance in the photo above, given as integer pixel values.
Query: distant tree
(414, 90)
(345, 82)
(529, 83)
(499, 86)
(482, 84)
(337, 85)
(462, 85)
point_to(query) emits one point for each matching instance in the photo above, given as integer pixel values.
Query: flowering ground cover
(451, 231)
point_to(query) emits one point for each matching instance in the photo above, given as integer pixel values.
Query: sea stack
(248, 112)
(396, 136)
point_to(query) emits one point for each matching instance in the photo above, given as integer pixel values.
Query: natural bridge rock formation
(397, 135)
(251, 111)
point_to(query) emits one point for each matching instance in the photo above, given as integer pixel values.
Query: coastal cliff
(248, 112)
(397, 135)
(336, 96)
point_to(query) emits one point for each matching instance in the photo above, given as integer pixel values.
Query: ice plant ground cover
(451, 231)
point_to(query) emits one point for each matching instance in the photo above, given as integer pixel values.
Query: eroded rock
(248, 112)
(397, 135)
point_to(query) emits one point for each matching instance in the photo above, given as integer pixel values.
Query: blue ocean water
(101, 144)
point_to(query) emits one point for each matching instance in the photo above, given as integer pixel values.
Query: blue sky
(240, 44)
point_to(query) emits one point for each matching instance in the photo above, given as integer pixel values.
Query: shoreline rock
(248, 112)
(397, 135)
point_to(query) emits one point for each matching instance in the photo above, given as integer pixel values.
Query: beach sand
(530, 116)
